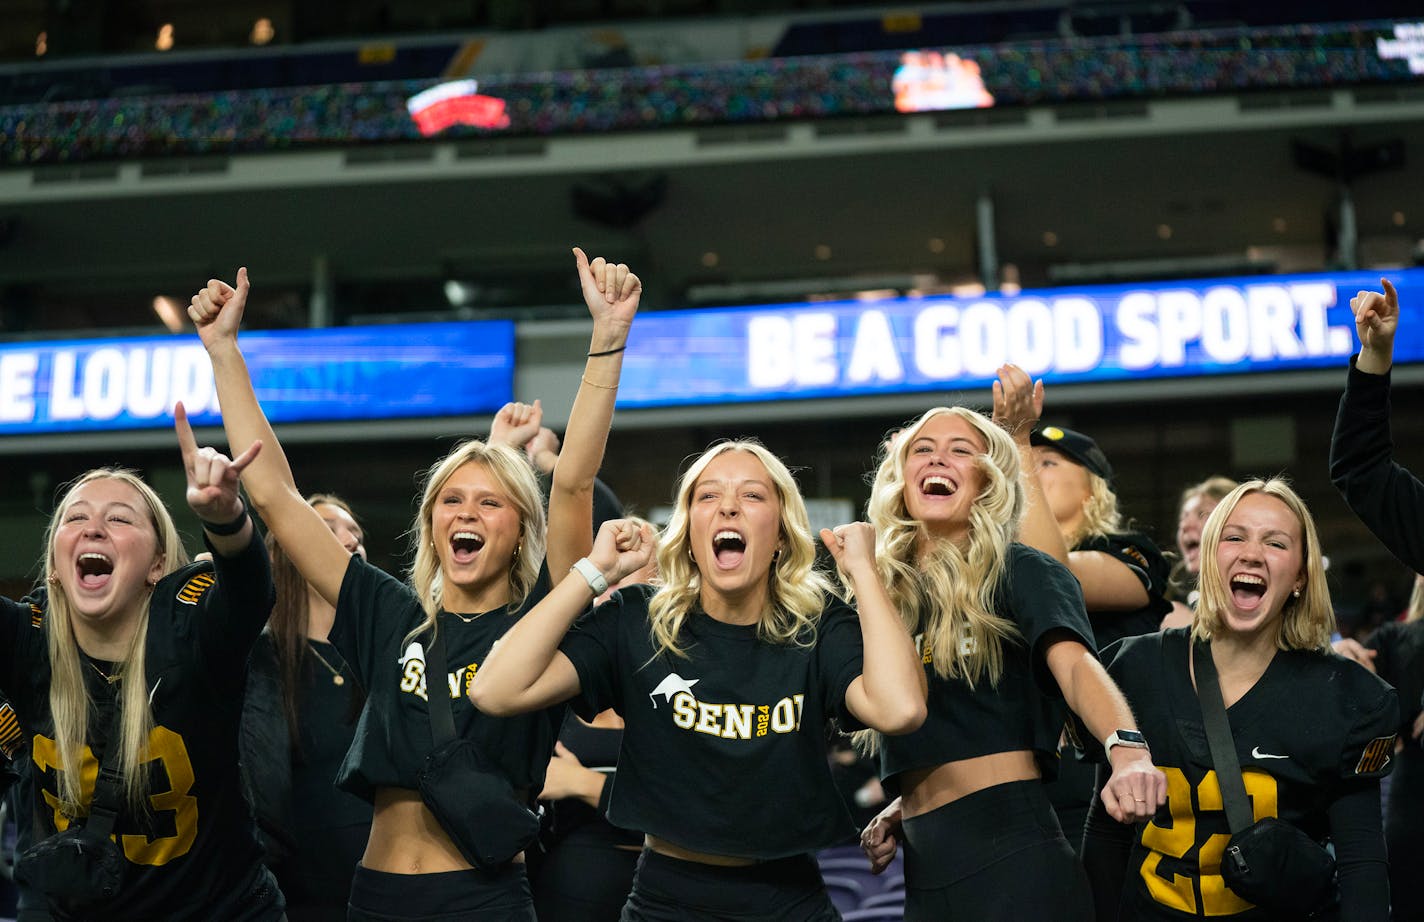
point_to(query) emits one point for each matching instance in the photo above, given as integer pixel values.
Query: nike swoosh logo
(1256, 753)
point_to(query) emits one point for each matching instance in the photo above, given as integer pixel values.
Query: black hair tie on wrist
(226, 529)
(594, 355)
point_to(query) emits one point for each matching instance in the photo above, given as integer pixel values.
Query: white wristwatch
(1129, 738)
(596, 581)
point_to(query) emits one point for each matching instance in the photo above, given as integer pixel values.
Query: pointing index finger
(187, 444)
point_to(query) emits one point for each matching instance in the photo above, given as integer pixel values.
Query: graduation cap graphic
(670, 686)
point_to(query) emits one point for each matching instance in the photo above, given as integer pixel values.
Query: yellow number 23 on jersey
(165, 748)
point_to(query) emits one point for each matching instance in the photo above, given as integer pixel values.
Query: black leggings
(1404, 834)
(671, 890)
(583, 881)
(997, 855)
(496, 896)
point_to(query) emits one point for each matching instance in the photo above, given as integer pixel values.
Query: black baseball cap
(1075, 445)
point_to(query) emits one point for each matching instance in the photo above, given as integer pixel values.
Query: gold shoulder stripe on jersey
(1376, 755)
(11, 735)
(194, 588)
(36, 615)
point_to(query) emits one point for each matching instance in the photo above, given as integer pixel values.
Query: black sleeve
(592, 646)
(1044, 597)
(1140, 555)
(1107, 847)
(235, 611)
(1358, 833)
(14, 618)
(373, 612)
(1385, 496)
(840, 654)
(1367, 749)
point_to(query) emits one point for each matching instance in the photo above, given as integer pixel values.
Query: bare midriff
(407, 839)
(664, 847)
(926, 789)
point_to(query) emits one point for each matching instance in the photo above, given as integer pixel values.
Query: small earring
(691, 556)
(53, 579)
(1295, 593)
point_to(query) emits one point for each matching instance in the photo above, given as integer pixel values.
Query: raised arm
(612, 294)
(889, 694)
(1376, 322)
(1136, 788)
(1018, 404)
(317, 553)
(525, 670)
(1108, 583)
(212, 488)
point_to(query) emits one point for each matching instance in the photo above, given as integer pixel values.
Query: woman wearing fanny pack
(479, 560)
(725, 675)
(1313, 732)
(133, 659)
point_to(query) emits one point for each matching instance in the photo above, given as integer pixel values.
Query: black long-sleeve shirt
(1385, 496)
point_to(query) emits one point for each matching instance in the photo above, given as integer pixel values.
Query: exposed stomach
(407, 839)
(926, 789)
(673, 850)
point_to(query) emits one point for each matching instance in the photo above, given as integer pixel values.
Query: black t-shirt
(1400, 662)
(1141, 556)
(723, 752)
(374, 613)
(195, 855)
(1311, 727)
(1025, 710)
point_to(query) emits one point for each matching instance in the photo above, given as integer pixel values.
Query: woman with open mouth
(1005, 641)
(1197, 503)
(1312, 733)
(480, 563)
(726, 675)
(133, 659)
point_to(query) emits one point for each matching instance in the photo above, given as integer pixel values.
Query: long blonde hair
(68, 697)
(512, 471)
(796, 590)
(1101, 516)
(942, 590)
(1308, 620)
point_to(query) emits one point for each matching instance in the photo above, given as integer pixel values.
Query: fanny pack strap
(1239, 814)
(442, 718)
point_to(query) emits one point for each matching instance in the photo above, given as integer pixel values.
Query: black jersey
(723, 752)
(374, 613)
(1312, 726)
(1025, 710)
(1141, 556)
(194, 855)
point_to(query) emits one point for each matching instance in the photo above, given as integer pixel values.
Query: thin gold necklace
(111, 679)
(336, 677)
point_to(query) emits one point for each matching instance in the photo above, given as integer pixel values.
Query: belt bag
(474, 803)
(476, 807)
(81, 869)
(77, 870)
(1270, 863)
(1276, 865)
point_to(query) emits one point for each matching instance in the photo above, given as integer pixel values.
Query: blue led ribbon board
(1190, 329)
(346, 373)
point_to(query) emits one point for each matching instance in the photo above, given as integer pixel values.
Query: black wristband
(226, 529)
(594, 355)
